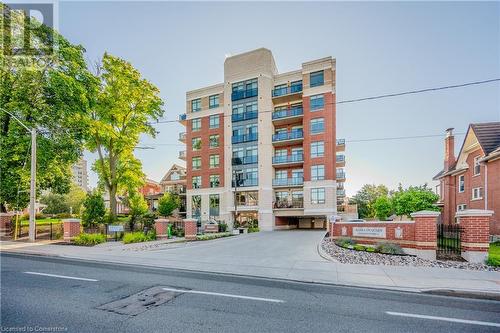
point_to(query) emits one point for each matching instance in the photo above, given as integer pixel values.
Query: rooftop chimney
(449, 150)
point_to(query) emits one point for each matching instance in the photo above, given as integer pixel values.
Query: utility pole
(32, 131)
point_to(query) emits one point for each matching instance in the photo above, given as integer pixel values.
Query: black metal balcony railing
(294, 134)
(340, 158)
(294, 181)
(294, 158)
(292, 112)
(282, 91)
(242, 94)
(340, 142)
(244, 138)
(182, 117)
(285, 203)
(245, 160)
(246, 182)
(244, 116)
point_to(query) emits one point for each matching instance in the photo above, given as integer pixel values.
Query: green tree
(126, 103)
(75, 198)
(93, 210)
(56, 203)
(414, 199)
(168, 203)
(138, 208)
(365, 199)
(382, 207)
(52, 93)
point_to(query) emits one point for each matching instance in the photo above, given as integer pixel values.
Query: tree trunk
(112, 202)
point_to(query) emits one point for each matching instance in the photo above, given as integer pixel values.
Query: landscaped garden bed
(356, 255)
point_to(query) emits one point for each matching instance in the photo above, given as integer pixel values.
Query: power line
(409, 92)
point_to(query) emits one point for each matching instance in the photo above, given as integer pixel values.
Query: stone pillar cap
(190, 220)
(474, 212)
(71, 220)
(425, 213)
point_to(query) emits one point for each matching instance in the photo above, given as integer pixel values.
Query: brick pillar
(5, 223)
(71, 229)
(475, 236)
(161, 227)
(426, 233)
(190, 229)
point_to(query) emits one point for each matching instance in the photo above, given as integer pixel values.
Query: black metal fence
(448, 241)
(49, 231)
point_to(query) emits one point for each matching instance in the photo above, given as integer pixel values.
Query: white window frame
(461, 184)
(477, 165)
(461, 207)
(479, 191)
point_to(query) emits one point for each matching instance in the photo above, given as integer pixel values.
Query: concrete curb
(322, 253)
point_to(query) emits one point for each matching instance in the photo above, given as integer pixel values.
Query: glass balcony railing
(340, 158)
(340, 193)
(242, 94)
(246, 182)
(286, 203)
(182, 117)
(245, 160)
(182, 154)
(340, 175)
(182, 136)
(294, 158)
(292, 112)
(294, 134)
(244, 138)
(294, 181)
(282, 91)
(340, 142)
(244, 116)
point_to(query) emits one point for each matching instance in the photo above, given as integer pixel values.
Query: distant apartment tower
(80, 175)
(262, 145)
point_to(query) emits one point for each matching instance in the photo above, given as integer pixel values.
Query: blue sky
(380, 48)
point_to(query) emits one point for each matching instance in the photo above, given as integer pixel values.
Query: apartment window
(461, 207)
(213, 101)
(247, 198)
(461, 183)
(196, 181)
(214, 180)
(196, 143)
(196, 124)
(316, 79)
(477, 193)
(196, 105)
(477, 166)
(196, 205)
(317, 125)
(318, 195)
(317, 102)
(281, 174)
(317, 149)
(317, 172)
(251, 107)
(214, 201)
(214, 140)
(214, 121)
(196, 163)
(214, 161)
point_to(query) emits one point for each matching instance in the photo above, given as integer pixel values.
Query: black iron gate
(448, 241)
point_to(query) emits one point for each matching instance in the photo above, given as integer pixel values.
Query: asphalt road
(60, 295)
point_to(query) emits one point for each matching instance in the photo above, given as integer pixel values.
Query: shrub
(253, 229)
(370, 249)
(213, 236)
(93, 209)
(359, 247)
(343, 241)
(222, 227)
(389, 248)
(137, 237)
(64, 216)
(168, 203)
(89, 239)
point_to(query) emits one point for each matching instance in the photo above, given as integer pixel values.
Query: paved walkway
(285, 254)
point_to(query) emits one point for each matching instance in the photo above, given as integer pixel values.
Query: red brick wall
(150, 188)
(205, 152)
(408, 231)
(476, 233)
(190, 229)
(494, 195)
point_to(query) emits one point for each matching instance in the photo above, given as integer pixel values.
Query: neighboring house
(80, 175)
(174, 180)
(151, 187)
(262, 145)
(472, 179)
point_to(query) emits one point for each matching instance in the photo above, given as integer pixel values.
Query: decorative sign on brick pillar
(5, 223)
(190, 229)
(426, 233)
(161, 227)
(71, 229)
(475, 236)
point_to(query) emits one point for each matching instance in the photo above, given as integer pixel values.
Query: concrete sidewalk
(284, 255)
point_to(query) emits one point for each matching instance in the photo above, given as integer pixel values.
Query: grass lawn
(494, 254)
(39, 221)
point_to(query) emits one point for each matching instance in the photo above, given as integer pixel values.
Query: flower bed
(213, 236)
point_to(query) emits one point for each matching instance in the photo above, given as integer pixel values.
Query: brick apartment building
(472, 180)
(262, 145)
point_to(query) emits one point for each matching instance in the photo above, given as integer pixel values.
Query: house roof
(488, 135)
(174, 167)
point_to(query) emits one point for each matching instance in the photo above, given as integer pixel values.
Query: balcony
(182, 155)
(288, 137)
(288, 182)
(288, 159)
(287, 116)
(183, 118)
(242, 94)
(244, 138)
(287, 94)
(340, 175)
(340, 145)
(287, 204)
(340, 193)
(244, 116)
(245, 160)
(246, 182)
(182, 137)
(340, 159)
